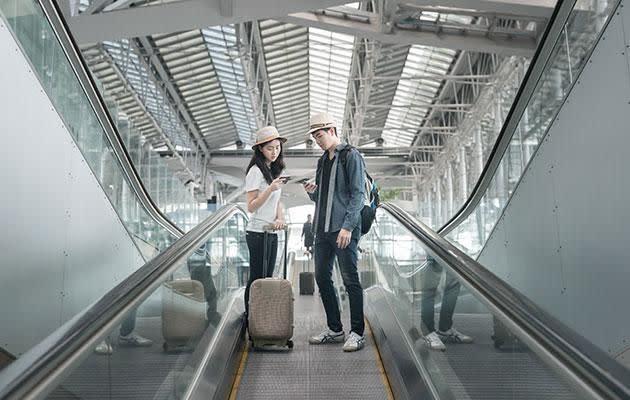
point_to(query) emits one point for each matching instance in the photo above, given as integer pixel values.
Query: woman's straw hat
(267, 134)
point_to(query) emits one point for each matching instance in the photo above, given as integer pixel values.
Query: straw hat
(267, 134)
(321, 121)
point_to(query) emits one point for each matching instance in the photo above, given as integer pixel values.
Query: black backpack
(368, 213)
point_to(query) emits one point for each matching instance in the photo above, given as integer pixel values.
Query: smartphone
(303, 181)
(285, 178)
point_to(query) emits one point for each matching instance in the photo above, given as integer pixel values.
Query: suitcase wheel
(290, 343)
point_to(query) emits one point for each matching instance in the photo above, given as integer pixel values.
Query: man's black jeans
(325, 251)
(430, 280)
(255, 243)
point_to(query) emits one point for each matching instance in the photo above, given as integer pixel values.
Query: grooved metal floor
(313, 371)
(124, 374)
(479, 371)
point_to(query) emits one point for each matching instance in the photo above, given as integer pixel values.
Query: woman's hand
(279, 224)
(276, 184)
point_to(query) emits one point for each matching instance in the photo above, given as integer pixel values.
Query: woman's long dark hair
(258, 159)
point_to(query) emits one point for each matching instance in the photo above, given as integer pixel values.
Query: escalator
(80, 218)
(209, 357)
(552, 361)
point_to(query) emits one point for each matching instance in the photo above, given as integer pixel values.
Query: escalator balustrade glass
(466, 350)
(160, 345)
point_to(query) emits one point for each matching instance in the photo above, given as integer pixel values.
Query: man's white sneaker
(327, 336)
(433, 342)
(133, 339)
(454, 336)
(355, 342)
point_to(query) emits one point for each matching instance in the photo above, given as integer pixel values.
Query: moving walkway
(551, 362)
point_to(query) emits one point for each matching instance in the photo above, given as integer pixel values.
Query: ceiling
(201, 76)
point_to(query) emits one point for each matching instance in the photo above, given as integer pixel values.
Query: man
(428, 281)
(307, 234)
(338, 193)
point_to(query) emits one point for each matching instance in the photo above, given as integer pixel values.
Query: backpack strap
(343, 154)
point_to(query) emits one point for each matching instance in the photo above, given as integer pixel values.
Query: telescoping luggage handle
(266, 230)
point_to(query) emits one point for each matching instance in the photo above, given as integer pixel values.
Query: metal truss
(459, 29)
(152, 62)
(447, 184)
(253, 60)
(363, 71)
(412, 80)
(117, 87)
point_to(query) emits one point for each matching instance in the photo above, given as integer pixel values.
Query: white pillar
(449, 191)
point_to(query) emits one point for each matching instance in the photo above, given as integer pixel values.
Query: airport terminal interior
(493, 131)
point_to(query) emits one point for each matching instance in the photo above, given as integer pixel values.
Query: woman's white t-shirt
(266, 214)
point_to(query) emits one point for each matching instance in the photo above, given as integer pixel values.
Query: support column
(463, 174)
(438, 203)
(449, 191)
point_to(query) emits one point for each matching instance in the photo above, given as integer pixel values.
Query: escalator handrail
(73, 54)
(43, 367)
(586, 365)
(541, 58)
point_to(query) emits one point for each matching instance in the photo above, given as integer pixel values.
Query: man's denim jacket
(346, 192)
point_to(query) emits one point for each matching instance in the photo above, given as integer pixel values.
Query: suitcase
(307, 279)
(271, 306)
(183, 314)
(504, 340)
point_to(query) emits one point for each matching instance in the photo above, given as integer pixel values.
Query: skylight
(329, 58)
(414, 96)
(222, 46)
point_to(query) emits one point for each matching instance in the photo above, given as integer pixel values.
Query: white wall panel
(63, 245)
(568, 223)
(495, 250)
(535, 269)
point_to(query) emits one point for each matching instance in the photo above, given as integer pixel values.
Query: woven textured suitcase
(183, 314)
(271, 307)
(307, 279)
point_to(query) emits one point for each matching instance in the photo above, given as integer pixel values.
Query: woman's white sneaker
(434, 342)
(355, 342)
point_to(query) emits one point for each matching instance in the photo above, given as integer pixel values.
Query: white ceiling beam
(227, 8)
(375, 30)
(181, 16)
(97, 6)
(531, 8)
(118, 4)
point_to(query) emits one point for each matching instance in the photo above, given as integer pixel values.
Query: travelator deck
(312, 371)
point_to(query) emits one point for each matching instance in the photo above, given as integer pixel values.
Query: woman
(263, 186)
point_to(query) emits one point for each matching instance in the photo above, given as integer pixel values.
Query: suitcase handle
(266, 230)
(272, 228)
